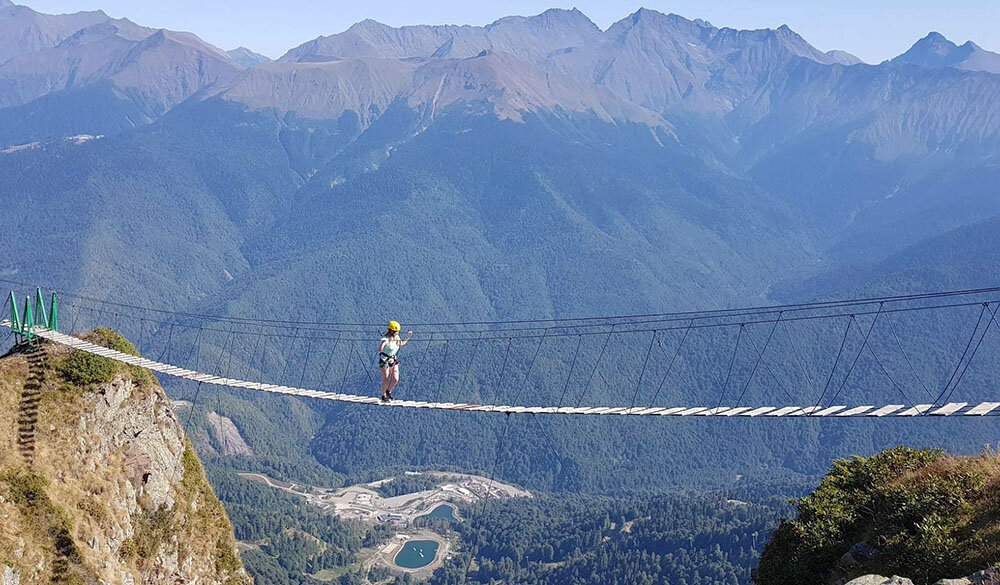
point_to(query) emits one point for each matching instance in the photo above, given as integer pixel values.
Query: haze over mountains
(537, 166)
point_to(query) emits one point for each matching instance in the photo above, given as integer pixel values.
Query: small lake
(416, 554)
(443, 512)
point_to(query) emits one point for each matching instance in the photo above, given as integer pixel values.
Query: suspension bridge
(38, 321)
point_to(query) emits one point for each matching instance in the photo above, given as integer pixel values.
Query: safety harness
(387, 361)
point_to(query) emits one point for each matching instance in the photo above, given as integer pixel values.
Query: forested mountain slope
(538, 167)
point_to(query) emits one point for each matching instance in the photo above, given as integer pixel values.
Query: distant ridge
(935, 50)
(531, 38)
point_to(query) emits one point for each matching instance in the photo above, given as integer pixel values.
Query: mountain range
(534, 167)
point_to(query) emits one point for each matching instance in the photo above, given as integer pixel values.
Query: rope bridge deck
(889, 410)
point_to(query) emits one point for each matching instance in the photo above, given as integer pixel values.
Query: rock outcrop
(985, 577)
(114, 494)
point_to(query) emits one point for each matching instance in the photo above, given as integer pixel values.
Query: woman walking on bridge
(388, 361)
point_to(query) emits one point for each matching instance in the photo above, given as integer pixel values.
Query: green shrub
(152, 529)
(910, 511)
(225, 558)
(81, 368)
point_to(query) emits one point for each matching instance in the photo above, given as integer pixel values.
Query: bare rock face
(10, 576)
(989, 576)
(228, 436)
(879, 580)
(115, 493)
(144, 430)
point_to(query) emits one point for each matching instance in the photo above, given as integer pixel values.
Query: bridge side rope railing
(505, 328)
(790, 411)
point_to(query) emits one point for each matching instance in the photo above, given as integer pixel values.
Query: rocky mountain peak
(934, 50)
(247, 58)
(843, 57)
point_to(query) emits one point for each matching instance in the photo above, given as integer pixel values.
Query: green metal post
(28, 328)
(43, 315)
(15, 319)
(53, 323)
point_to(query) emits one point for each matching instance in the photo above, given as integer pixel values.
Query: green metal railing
(24, 323)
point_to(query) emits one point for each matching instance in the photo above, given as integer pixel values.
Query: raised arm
(409, 334)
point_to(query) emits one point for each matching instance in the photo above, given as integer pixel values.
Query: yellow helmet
(394, 326)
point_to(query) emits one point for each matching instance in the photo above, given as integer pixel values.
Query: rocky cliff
(98, 482)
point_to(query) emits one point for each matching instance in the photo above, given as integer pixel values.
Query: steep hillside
(908, 512)
(98, 482)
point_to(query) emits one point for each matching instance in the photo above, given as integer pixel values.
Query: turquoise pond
(443, 512)
(416, 554)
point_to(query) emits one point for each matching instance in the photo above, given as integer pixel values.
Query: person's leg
(385, 380)
(393, 378)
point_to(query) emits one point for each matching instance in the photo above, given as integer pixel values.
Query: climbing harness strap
(387, 361)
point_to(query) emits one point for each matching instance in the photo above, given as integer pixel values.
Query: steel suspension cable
(531, 364)
(895, 386)
(72, 325)
(503, 368)
(505, 333)
(645, 361)
(364, 364)
(906, 356)
(166, 347)
(468, 365)
(596, 365)
(972, 356)
(305, 363)
(732, 361)
(858, 355)
(347, 366)
(291, 352)
(253, 355)
(418, 367)
(683, 314)
(572, 368)
(760, 358)
(962, 357)
(444, 363)
(836, 362)
(673, 359)
(329, 360)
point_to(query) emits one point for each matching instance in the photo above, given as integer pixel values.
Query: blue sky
(871, 29)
